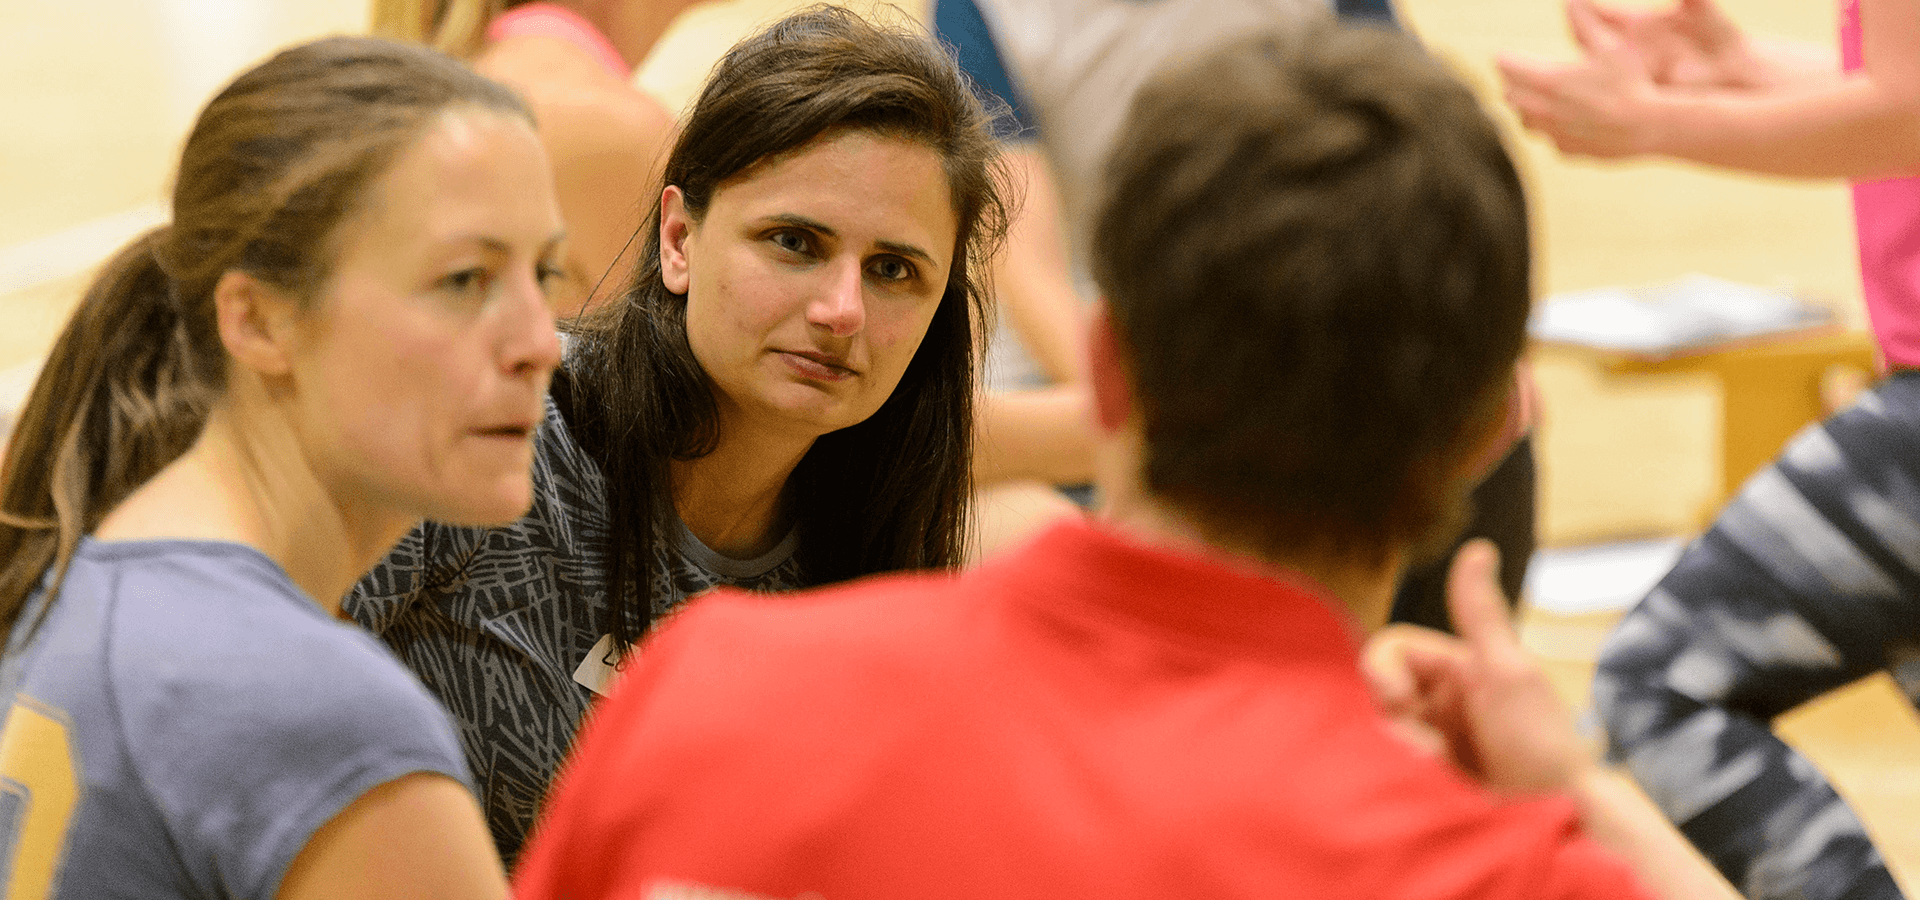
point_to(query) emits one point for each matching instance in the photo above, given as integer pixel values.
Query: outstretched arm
(1041, 433)
(1687, 84)
(1805, 583)
(1694, 45)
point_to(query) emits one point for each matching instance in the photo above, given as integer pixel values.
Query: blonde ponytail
(454, 27)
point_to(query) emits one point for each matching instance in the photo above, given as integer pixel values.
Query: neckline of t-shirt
(697, 551)
(1196, 593)
(137, 548)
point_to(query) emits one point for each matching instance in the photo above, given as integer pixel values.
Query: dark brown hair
(1315, 250)
(888, 493)
(275, 162)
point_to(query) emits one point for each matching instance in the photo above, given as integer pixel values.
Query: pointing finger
(1474, 598)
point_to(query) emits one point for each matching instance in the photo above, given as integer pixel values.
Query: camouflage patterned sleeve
(1808, 581)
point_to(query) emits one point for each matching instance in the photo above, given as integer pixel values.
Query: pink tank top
(1886, 215)
(554, 20)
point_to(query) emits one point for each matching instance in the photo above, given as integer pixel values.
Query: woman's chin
(815, 412)
(487, 509)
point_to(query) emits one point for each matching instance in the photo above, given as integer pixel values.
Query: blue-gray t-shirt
(185, 718)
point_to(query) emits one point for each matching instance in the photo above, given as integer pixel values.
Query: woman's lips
(509, 430)
(817, 366)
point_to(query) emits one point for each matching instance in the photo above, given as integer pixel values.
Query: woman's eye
(790, 241)
(550, 276)
(892, 268)
(465, 280)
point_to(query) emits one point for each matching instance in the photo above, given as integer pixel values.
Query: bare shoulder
(581, 107)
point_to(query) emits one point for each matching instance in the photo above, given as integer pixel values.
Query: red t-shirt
(1085, 717)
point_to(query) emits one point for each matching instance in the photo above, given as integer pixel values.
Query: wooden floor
(96, 102)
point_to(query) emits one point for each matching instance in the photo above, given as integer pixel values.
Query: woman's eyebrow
(895, 247)
(907, 250)
(496, 245)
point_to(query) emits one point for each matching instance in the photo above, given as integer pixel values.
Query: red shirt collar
(1214, 597)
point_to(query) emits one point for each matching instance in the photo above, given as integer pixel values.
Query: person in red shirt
(1314, 254)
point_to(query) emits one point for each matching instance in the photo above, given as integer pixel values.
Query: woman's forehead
(878, 185)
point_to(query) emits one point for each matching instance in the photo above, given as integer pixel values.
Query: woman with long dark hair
(344, 329)
(782, 397)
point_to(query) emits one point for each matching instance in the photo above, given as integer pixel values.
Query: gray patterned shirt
(496, 621)
(1809, 580)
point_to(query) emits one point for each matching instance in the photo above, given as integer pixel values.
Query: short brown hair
(1315, 251)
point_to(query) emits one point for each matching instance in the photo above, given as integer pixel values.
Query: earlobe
(1107, 371)
(255, 323)
(1491, 443)
(676, 224)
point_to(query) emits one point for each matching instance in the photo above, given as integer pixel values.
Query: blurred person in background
(573, 61)
(1809, 579)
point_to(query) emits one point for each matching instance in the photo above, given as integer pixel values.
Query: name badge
(603, 664)
(600, 668)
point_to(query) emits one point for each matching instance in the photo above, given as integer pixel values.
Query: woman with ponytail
(345, 329)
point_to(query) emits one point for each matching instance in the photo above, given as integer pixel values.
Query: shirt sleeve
(248, 750)
(1581, 869)
(1542, 851)
(1375, 10)
(960, 24)
(1805, 583)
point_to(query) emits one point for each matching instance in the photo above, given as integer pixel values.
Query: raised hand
(1412, 672)
(1597, 106)
(1689, 45)
(1478, 699)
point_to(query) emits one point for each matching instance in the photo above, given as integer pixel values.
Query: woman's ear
(256, 322)
(676, 225)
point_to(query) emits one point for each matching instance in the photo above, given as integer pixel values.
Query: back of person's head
(892, 490)
(273, 165)
(1315, 252)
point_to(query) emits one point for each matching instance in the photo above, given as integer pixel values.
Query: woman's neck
(247, 481)
(732, 499)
